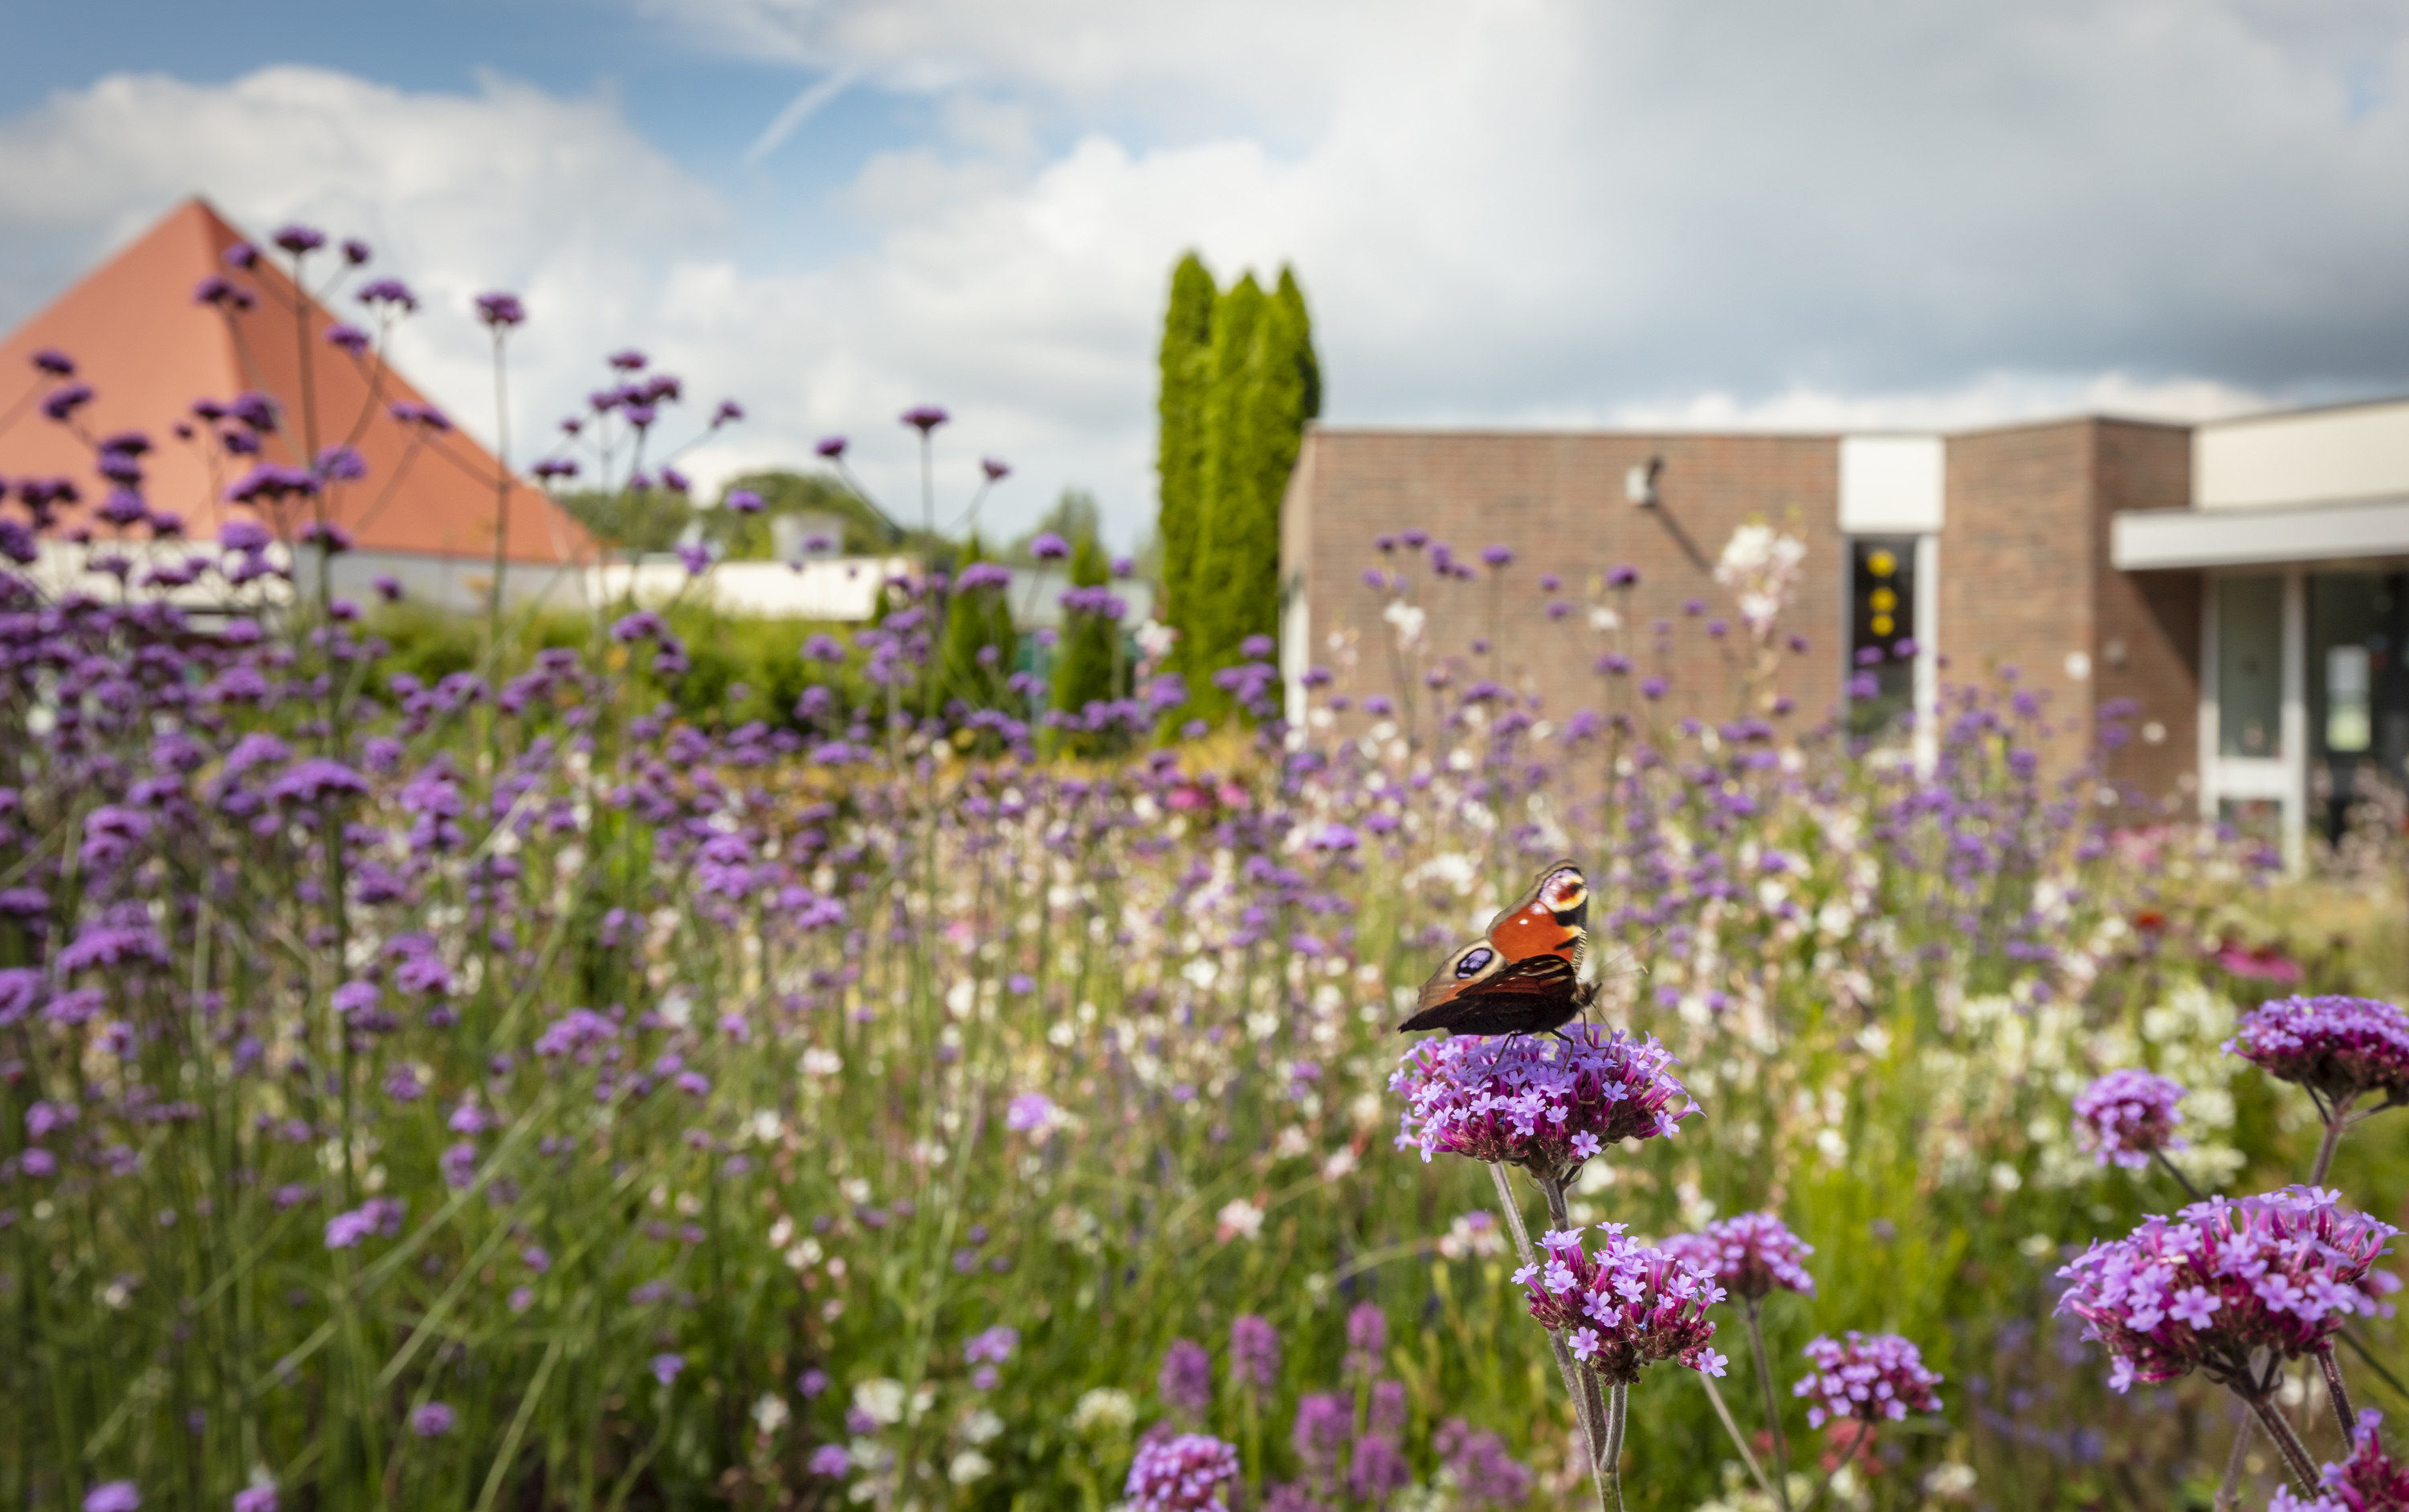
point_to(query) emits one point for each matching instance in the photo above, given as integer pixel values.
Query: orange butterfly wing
(1525, 975)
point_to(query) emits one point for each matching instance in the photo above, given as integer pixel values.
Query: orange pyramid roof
(138, 338)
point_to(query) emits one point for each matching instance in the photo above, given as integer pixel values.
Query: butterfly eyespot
(1474, 961)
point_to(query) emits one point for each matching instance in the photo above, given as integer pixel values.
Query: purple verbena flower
(500, 312)
(1049, 547)
(991, 1346)
(2339, 1049)
(2281, 1271)
(1749, 1253)
(667, 1367)
(112, 1496)
(1625, 1307)
(2369, 1480)
(924, 418)
(1538, 1101)
(1188, 1473)
(1254, 1353)
(1865, 1377)
(432, 1419)
(2127, 1116)
(1186, 1383)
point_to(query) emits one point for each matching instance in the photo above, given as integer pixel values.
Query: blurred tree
(1075, 517)
(1084, 670)
(748, 538)
(1187, 384)
(976, 654)
(642, 520)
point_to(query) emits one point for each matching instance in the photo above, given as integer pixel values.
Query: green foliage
(631, 520)
(1220, 525)
(1075, 517)
(1083, 668)
(979, 620)
(1185, 386)
(748, 538)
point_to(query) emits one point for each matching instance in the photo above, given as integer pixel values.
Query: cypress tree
(1083, 672)
(1187, 375)
(1231, 468)
(974, 620)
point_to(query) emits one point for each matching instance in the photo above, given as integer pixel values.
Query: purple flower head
(1186, 1383)
(992, 1347)
(2369, 1480)
(299, 239)
(256, 1499)
(1030, 1110)
(1190, 1473)
(350, 338)
(924, 418)
(341, 465)
(1749, 1254)
(390, 292)
(1257, 647)
(628, 361)
(2339, 1049)
(53, 363)
(500, 312)
(1378, 1469)
(728, 412)
(744, 501)
(1625, 1307)
(830, 1460)
(223, 291)
(832, 447)
(1049, 547)
(424, 416)
(983, 575)
(315, 779)
(1497, 556)
(2127, 1115)
(1538, 1101)
(65, 401)
(2281, 1272)
(242, 255)
(667, 1367)
(432, 1419)
(271, 483)
(995, 471)
(356, 251)
(112, 1496)
(1865, 1377)
(1367, 1337)
(555, 466)
(1254, 1353)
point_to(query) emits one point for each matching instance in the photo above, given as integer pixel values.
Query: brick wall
(2026, 584)
(1558, 502)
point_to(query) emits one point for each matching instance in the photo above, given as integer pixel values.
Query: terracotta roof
(149, 350)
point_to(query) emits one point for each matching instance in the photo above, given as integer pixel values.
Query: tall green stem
(1753, 1310)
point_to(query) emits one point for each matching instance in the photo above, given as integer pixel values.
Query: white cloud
(1854, 213)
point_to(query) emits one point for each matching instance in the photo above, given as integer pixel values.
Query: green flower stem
(1731, 1430)
(1590, 1437)
(2296, 1455)
(1752, 1310)
(2331, 1368)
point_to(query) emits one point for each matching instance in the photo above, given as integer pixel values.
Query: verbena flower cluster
(1536, 1100)
(1626, 1306)
(2366, 1480)
(2127, 1115)
(2280, 1272)
(1867, 1378)
(1751, 1254)
(1188, 1473)
(2337, 1047)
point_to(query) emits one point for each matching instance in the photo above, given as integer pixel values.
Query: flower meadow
(522, 1087)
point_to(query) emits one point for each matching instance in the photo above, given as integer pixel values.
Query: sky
(1749, 214)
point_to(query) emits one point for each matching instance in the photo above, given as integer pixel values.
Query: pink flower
(2370, 1480)
(2339, 1049)
(2125, 1116)
(1865, 1377)
(1185, 1473)
(1627, 1307)
(1751, 1255)
(2202, 1291)
(1528, 1101)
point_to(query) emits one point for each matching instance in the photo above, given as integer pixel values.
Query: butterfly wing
(1525, 974)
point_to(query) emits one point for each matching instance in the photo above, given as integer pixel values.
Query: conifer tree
(975, 619)
(1083, 672)
(1187, 375)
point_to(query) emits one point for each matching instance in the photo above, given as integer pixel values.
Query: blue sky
(1852, 214)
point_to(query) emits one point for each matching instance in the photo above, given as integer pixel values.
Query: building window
(2250, 666)
(1882, 629)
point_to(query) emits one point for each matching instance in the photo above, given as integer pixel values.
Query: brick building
(2240, 582)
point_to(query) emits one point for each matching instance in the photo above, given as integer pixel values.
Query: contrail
(798, 110)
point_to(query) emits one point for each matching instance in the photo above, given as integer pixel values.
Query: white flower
(1240, 1219)
(770, 1413)
(982, 1426)
(880, 1399)
(968, 1466)
(1106, 1408)
(1604, 620)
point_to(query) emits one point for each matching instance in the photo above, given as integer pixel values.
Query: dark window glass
(1882, 629)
